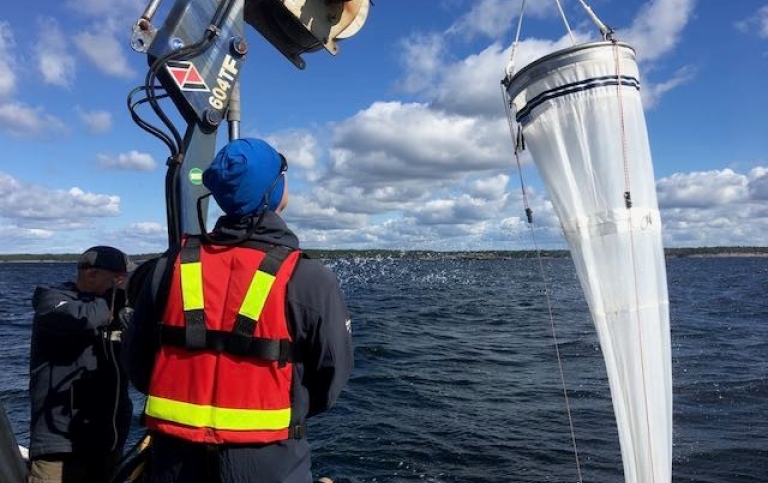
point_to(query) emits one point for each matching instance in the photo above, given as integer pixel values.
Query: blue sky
(399, 142)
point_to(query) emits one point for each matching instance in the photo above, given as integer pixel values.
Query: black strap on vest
(242, 333)
(242, 330)
(240, 341)
(280, 350)
(195, 319)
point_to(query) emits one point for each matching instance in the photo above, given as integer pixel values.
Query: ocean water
(457, 378)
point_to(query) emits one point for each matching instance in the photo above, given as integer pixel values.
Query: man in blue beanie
(238, 338)
(241, 171)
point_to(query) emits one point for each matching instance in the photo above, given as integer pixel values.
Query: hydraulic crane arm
(196, 58)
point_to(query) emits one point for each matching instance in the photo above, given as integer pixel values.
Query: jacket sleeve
(328, 361)
(140, 338)
(61, 313)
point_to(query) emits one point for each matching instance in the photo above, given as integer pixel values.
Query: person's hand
(119, 323)
(124, 318)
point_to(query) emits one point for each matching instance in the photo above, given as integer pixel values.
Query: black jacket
(78, 393)
(319, 324)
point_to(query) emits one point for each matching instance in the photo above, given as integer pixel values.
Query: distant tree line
(714, 251)
(420, 254)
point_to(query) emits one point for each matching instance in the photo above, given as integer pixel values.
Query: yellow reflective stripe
(202, 416)
(256, 296)
(192, 285)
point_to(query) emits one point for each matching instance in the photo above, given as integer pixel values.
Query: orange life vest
(224, 371)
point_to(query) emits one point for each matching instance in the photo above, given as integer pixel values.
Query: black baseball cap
(106, 258)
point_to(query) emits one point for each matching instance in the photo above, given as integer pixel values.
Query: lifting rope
(606, 32)
(565, 21)
(519, 147)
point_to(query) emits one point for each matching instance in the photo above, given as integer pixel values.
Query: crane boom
(195, 58)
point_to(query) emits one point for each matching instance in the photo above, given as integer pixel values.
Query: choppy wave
(457, 379)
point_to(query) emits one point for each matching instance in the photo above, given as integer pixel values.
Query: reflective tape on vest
(253, 302)
(215, 417)
(256, 296)
(192, 285)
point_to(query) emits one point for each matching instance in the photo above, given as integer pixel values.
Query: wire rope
(565, 21)
(520, 146)
(633, 261)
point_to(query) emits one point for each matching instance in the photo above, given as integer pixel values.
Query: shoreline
(751, 252)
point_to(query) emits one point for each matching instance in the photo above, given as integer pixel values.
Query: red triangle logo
(179, 75)
(193, 76)
(186, 76)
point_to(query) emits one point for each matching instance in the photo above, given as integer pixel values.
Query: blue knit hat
(240, 175)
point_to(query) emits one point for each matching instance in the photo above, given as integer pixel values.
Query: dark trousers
(73, 467)
(175, 461)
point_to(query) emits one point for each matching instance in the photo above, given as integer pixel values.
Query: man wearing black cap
(80, 409)
(237, 338)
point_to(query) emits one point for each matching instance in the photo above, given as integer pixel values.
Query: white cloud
(762, 19)
(143, 237)
(457, 211)
(394, 141)
(18, 233)
(702, 189)
(412, 233)
(7, 60)
(21, 120)
(421, 54)
(490, 18)
(105, 42)
(312, 213)
(148, 228)
(471, 86)
(97, 121)
(715, 208)
(52, 54)
(652, 93)
(20, 239)
(343, 198)
(135, 239)
(131, 161)
(495, 18)
(299, 148)
(489, 188)
(29, 205)
(424, 175)
(657, 28)
(105, 52)
(758, 184)
(757, 22)
(715, 227)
